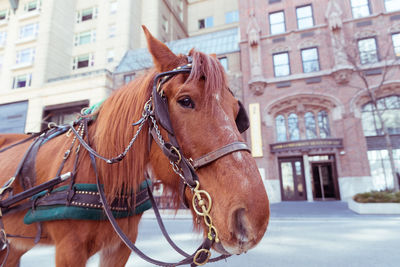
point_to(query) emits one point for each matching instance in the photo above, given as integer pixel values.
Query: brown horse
(202, 112)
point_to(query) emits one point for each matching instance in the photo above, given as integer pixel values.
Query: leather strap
(219, 153)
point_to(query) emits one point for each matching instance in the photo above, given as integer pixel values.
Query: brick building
(305, 66)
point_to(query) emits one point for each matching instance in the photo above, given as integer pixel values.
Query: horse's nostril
(240, 225)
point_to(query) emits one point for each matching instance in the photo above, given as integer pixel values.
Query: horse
(202, 114)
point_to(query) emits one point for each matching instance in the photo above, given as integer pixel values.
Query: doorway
(324, 180)
(292, 179)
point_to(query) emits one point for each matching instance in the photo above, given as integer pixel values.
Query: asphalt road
(298, 235)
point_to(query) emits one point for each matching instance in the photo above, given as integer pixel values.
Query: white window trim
(7, 18)
(28, 38)
(75, 61)
(95, 12)
(28, 81)
(77, 37)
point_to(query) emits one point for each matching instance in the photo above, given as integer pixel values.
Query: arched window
(280, 128)
(389, 107)
(323, 124)
(293, 127)
(311, 127)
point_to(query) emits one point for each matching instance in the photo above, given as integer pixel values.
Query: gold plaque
(255, 130)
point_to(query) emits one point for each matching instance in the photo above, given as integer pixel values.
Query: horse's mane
(113, 127)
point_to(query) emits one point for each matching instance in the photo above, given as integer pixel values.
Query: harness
(155, 112)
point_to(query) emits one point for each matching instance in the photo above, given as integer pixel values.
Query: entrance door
(324, 181)
(292, 179)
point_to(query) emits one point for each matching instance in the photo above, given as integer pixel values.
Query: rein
(155, 112)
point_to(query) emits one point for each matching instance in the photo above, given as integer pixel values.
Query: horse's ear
(163, 58)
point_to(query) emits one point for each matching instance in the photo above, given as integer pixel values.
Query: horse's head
(204, 117)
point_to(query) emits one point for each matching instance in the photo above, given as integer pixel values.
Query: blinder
(242, 119)
(161, 104)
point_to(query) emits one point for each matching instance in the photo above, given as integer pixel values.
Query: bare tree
(386, 66)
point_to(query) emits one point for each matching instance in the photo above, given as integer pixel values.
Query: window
(129, 77)
(63, 114)
(22, 81)
(396, 44)
(304, 17)
(32, 6)
(86, 14)
(164, 24)
(281, 64)
(389, 107)
(224, 62)
(392, 5)
(360, 8)
(112, 29)
(323, 124)
(86, 37)
(277, 22)
(180, 9)
(3, 15)
(113, 7)
(3, 38)
(293, 127)
(379, 163)
(367, 51)
(312, 130)
(25, 56)
(280, 128)
(110, 55)
(29, 31)
(378, 157)
(231, 17)
(206, 23)
(311, 127)
(1, 61)
(83, 61)
(309, 57)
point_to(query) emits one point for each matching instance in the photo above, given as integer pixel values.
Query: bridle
(155, 112)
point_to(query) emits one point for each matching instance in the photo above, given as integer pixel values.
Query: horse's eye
(186, 102)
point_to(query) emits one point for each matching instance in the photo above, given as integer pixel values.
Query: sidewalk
(318, 210)
(291, 210)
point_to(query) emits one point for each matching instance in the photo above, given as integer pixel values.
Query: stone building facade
(306, 65)
(57, 56)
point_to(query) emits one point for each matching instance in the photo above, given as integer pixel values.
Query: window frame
(37, 5)
(26, 52)
(386, 6)
(358, 7)
(271, 24)
(3, 38)
(6, 15)
(232, 16)
(302, 60)
(312, 17)
(23, 30)
(224, 62)
(79, 14)
(376, 50)
(28, 81)
(396, 51)
(274, 65)
(204, 23)
(78, 37)
(76, 61)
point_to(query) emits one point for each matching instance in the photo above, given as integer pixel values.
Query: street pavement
(299, 234)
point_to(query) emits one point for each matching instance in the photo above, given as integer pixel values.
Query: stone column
(257, 82)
